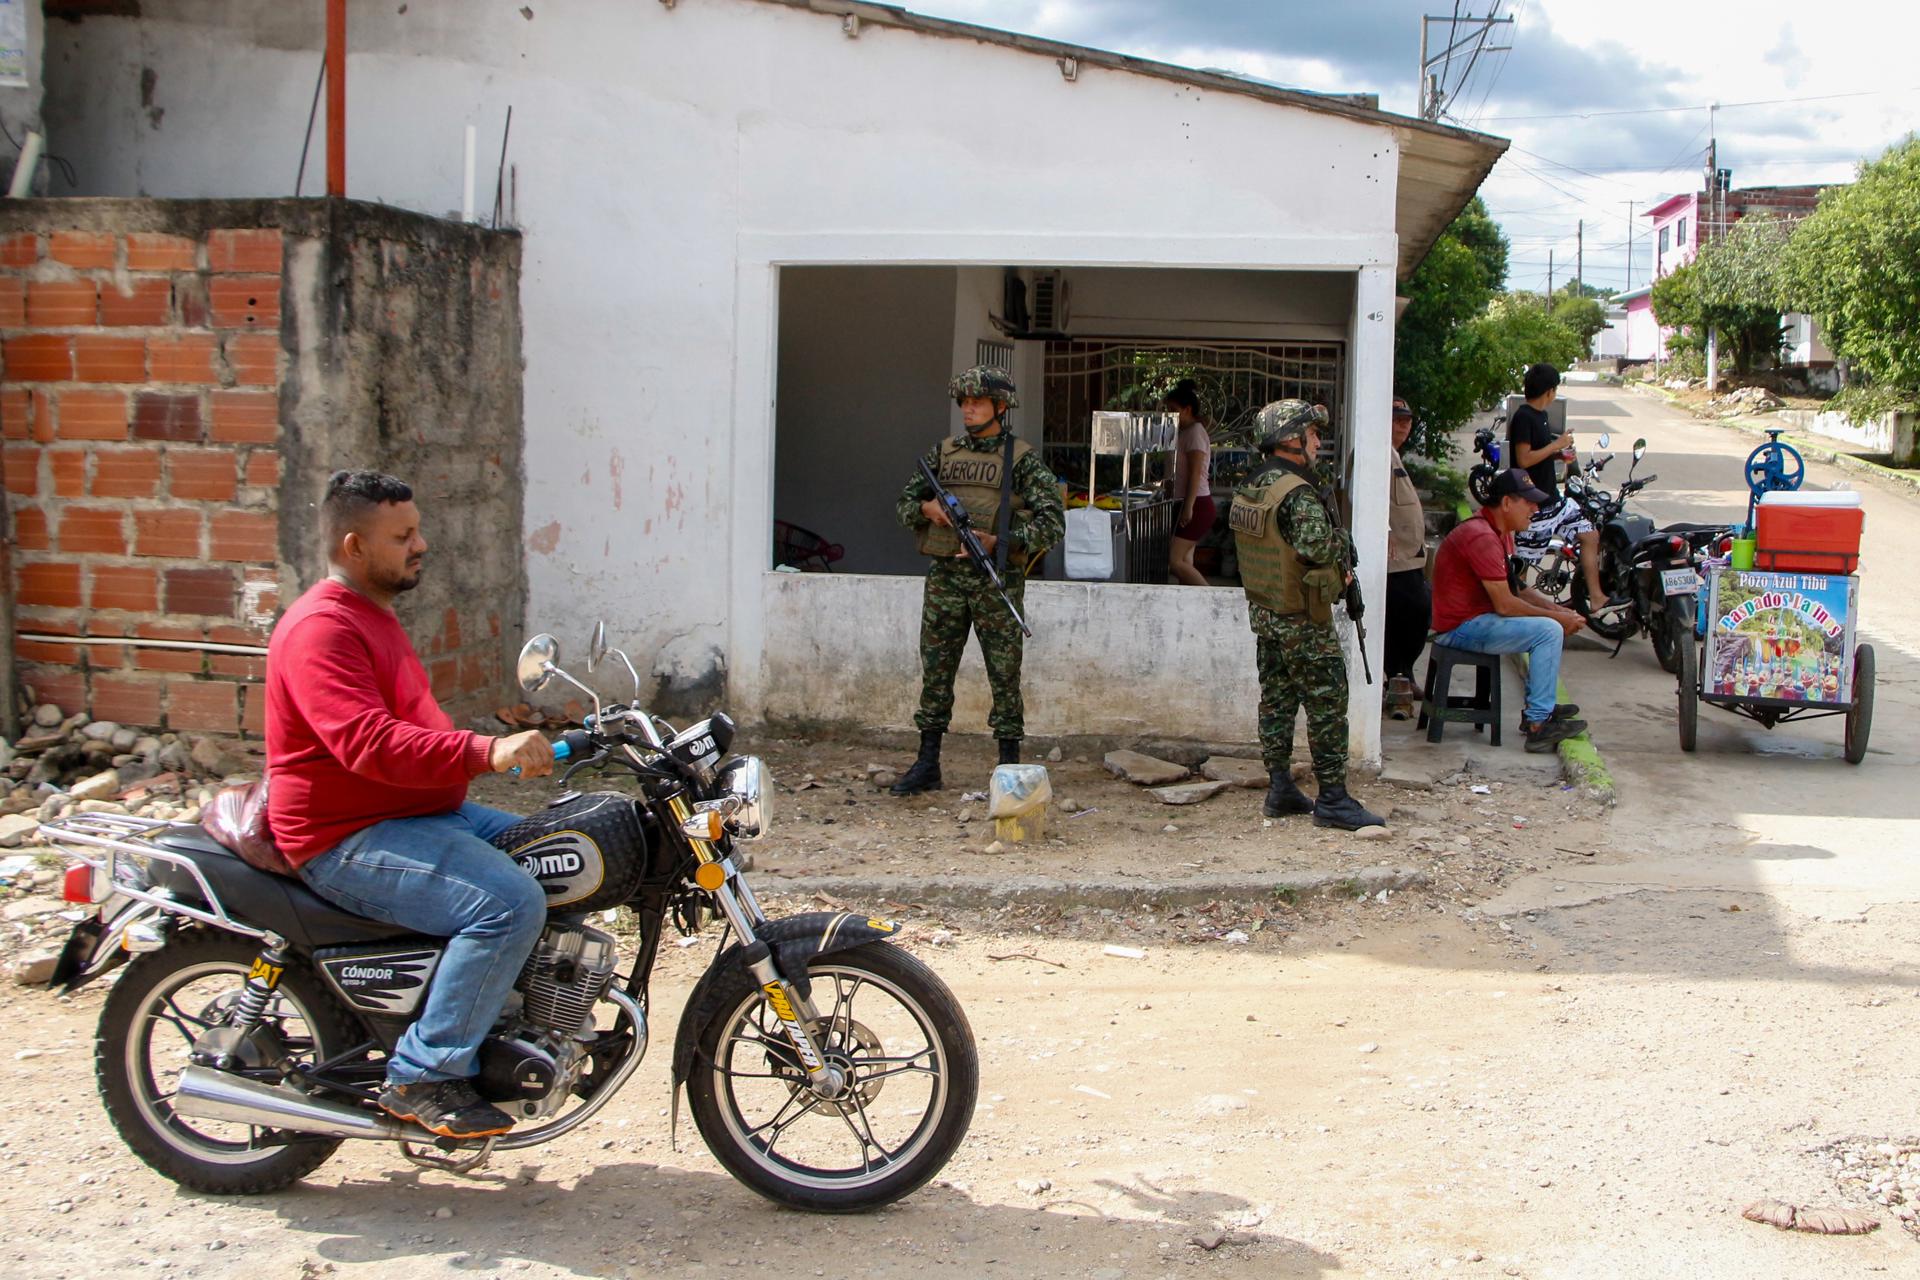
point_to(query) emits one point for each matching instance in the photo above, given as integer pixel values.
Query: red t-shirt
(354, 735)
(1475, 552)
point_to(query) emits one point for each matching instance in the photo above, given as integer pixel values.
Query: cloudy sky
(1605, 103)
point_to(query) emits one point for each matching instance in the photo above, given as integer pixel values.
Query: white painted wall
(669, 161)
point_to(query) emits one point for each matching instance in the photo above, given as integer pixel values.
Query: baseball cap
(1514, 482)
(1400, 409)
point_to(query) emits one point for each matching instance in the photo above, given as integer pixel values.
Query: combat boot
(1284, 796)
(924, 775)
(1335, 808)
(1009, 751)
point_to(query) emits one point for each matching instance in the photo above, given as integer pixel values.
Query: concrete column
(1370, 409)
(750, 514)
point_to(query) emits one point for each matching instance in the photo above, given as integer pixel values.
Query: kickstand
(470, 1162)
(1617, 645)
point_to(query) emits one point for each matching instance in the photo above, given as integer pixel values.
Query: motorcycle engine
(530, 1068)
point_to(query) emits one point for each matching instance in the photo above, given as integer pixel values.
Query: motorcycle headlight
(746, 780)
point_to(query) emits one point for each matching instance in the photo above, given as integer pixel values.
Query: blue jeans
(1539, 638)
(442, 876)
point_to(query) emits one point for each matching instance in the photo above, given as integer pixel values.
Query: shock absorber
(263, 979)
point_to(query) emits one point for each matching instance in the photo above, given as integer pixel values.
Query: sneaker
(449, 1108)
(1561, 711)
(1401, 697)
(1546, 735)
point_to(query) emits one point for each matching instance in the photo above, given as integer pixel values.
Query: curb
(1813, 449)
(979, 892)
(1581, 764)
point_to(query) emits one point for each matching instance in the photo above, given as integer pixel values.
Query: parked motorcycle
(248, 1037)
(1620, 532)
(1486, 443)
(1667, 579)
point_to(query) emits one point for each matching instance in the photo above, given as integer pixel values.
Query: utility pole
(1580, 259)
(1549, 273)
(1629, 246)
(1431, 94)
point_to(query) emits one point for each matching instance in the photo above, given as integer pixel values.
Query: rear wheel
(164, 1002)
(1688, 678)
(1860, 716)
(1671, 630)
(889, 1023)
(1619, 626)
(1480, 484)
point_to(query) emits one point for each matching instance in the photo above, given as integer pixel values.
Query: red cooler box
(1809, 532)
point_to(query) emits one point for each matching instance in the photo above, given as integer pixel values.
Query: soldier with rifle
(1295, 562)
(984, 507)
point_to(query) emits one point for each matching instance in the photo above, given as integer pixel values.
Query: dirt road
(1577, 1054)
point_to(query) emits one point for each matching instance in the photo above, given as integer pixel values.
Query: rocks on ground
(71, 764)
(1144, 770)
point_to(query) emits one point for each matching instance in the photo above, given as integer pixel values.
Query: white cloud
(1571, 57)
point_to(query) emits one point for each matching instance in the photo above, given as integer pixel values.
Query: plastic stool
(1437, 707)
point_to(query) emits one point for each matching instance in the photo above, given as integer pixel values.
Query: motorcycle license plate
(1679, 582)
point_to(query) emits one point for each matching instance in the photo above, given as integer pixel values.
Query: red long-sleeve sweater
(354, 735)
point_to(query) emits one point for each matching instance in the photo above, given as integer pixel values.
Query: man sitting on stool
(1476, 607)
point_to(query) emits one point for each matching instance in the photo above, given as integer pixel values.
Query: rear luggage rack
(127, 844)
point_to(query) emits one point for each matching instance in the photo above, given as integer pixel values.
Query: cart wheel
(1860, 718)
(1688, 680)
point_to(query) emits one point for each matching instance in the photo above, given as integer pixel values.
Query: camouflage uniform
(958, 596)
(1299, 660)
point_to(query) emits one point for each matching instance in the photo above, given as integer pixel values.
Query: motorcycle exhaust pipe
(206, 1094)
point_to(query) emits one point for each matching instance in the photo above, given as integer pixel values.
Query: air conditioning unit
(1051, 294)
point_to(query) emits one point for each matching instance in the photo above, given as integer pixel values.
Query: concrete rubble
(64, 765)
(1144, 770)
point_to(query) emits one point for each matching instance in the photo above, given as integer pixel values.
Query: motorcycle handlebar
(575, 739)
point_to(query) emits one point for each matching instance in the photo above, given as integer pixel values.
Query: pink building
(1677, 228)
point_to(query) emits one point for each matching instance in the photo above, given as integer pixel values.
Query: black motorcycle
(1620, 532)
(1486, 443)
(248, 1036)
(1664, 569)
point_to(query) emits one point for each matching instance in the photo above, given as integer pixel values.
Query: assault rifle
(1357, 610)
(970, 542)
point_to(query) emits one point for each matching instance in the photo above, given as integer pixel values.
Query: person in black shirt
(1533, 445)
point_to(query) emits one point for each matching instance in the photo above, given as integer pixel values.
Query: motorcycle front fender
(795, 941)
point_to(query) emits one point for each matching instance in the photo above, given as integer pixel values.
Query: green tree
(1739, 287)
(1854, 265)
(1583, 315)
(1518, 330)
(1439, 364)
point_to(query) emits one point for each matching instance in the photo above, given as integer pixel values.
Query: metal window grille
(995, 355)
(1235, 379)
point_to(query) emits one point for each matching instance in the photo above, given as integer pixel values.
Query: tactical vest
(973, 476)
(1270, 569)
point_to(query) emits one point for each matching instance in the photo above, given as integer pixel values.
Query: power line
(1724, 106)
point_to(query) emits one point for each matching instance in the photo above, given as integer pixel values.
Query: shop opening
(864, 355)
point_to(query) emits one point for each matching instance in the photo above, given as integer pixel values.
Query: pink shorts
(1196, 529)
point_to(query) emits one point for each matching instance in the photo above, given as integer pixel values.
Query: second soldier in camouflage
(1294, 563)
(959, 598)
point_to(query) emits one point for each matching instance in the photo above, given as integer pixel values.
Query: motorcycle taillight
(1677, 543)
(78, 885)
(1725, 546)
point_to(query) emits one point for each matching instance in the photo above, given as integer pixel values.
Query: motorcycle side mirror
(1639, 450)
(1606, 439)
(538, 659)
(597, 646)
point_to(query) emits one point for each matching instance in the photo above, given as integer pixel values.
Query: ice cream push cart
(1776, 641)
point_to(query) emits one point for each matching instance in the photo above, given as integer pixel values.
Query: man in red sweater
(1475, 606)
(368, 797)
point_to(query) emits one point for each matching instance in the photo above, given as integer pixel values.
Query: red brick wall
(140, 405)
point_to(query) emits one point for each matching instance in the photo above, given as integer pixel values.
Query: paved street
(1825, 836)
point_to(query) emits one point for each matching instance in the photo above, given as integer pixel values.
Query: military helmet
(1283, 420)
(984, 380)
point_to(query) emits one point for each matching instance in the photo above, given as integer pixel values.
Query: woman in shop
(1193, 451)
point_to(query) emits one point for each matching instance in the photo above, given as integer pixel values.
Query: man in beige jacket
(1409, 603)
